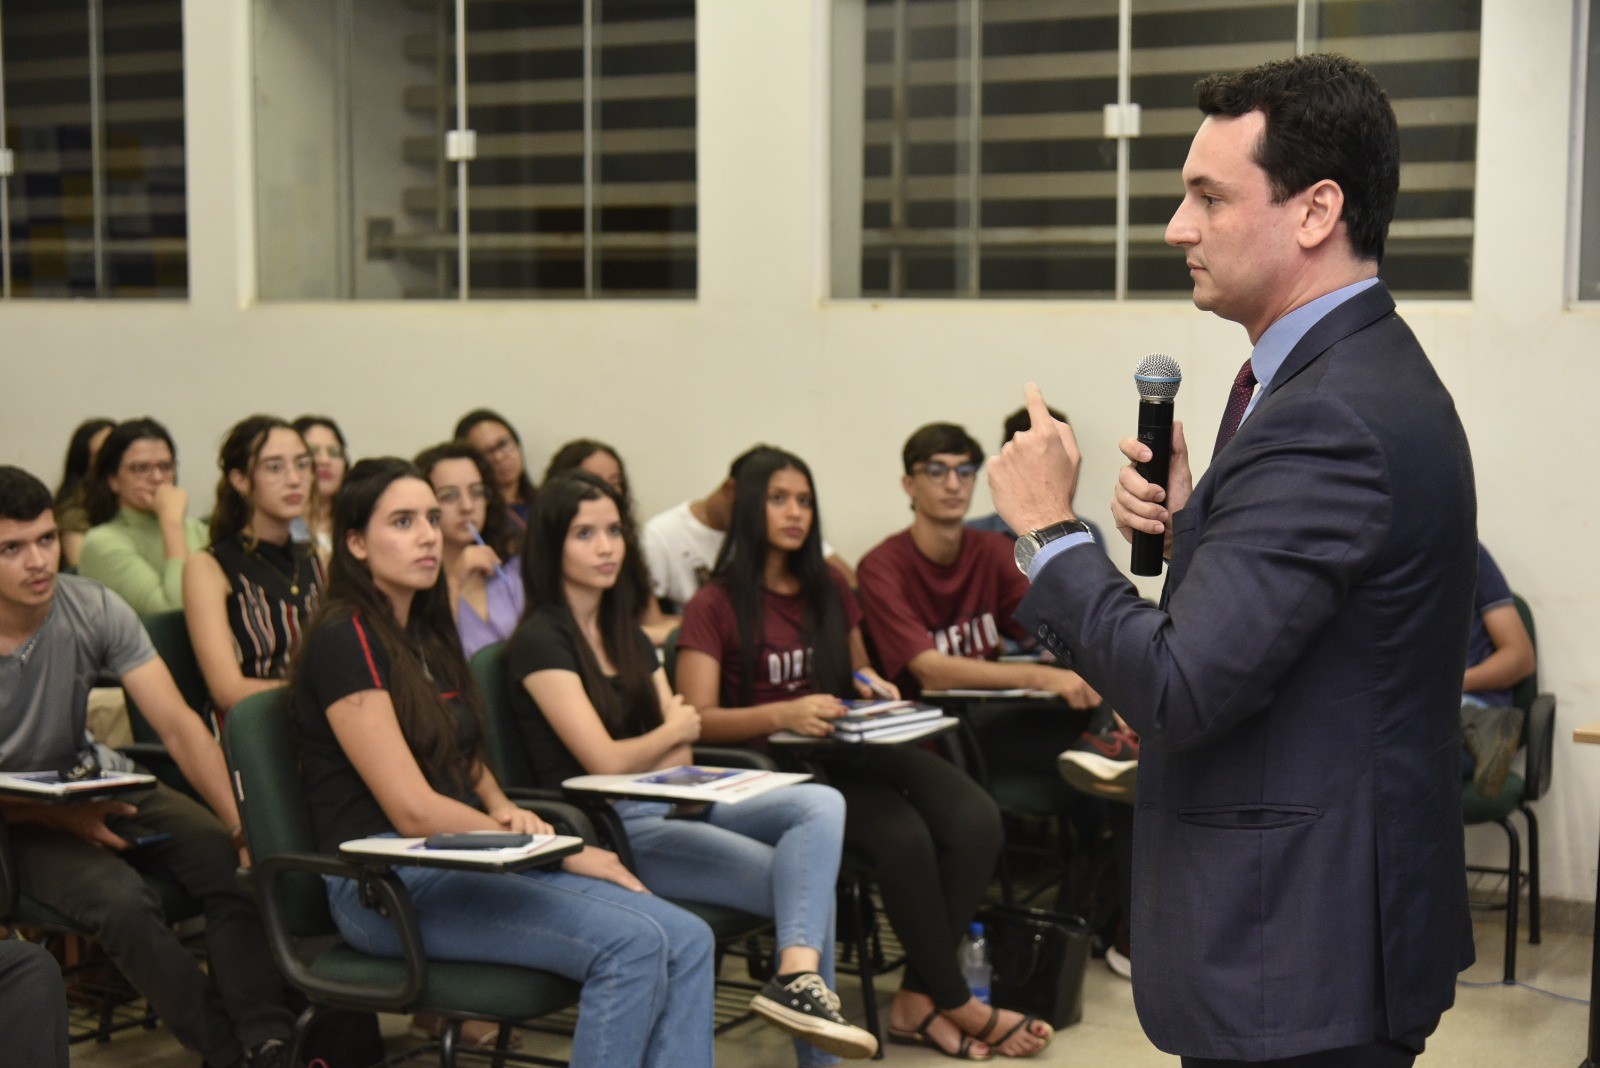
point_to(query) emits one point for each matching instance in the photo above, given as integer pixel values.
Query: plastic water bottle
(974, 958)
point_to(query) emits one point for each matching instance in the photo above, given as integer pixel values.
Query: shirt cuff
(1055, 549)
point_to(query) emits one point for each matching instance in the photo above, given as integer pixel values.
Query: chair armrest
(723, 756)
(605, 826)
(389, 897)
(563, 816)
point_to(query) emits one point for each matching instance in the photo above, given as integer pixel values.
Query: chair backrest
(259, 742)
(503, 742)
(1524, 692)
(170, 636)
(1540, 731)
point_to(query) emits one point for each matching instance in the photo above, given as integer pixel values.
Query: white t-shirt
(681, 551)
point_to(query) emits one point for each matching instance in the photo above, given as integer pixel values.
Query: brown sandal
(920, 1037)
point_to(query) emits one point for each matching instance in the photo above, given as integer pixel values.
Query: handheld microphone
(1157, 378)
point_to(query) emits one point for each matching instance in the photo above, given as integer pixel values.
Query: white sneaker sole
(1098, 775)
(841, 1040)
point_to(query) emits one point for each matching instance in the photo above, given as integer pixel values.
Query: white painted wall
(681, 387)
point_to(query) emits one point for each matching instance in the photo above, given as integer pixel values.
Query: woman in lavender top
(485, 578)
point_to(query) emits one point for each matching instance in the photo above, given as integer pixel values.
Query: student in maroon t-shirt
(770, 644)
(937, 596)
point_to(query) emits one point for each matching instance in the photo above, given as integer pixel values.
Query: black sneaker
(806, 1008)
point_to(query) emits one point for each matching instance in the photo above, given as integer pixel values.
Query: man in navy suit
(1299, 897)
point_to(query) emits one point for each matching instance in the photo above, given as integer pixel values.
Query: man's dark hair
(1327, 117)
(23, 498)
(1020, 420)
(935, 438)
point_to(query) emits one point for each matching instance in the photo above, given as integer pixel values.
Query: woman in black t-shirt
(772, 643)
(247, 598)
(390, 742)
(591, 697)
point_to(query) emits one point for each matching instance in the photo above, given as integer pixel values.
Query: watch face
(1024, 552)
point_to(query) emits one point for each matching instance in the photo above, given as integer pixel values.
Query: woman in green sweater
(141, 533)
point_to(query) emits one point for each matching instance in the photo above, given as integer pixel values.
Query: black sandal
(996, 1043)
(920, 1037)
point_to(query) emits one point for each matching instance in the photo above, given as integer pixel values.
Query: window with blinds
(92, 158)
(577, 178)
(1584, 269)
(975, 156)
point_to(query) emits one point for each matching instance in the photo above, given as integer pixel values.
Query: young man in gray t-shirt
(58, 634)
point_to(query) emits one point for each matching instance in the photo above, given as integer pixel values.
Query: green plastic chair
(1538, 740)
(305, 942)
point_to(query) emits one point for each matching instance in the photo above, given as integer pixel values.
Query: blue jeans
(773, 855)
(645, 965)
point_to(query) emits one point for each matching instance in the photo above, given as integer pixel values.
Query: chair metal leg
(1513, 898)
(1533, 875)
(447, 1043)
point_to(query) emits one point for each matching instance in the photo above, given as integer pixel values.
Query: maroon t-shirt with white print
(962, 609)
(782, 658)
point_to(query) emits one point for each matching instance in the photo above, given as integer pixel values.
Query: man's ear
(906, 482)
(1322, 208)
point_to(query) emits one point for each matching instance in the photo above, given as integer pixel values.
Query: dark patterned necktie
(1244, 384)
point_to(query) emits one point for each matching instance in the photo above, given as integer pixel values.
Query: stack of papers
(880, 719)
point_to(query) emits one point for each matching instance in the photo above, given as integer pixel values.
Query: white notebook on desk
(689, 782)
(50, 784)
(414, 850)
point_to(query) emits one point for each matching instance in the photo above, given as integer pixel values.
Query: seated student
(489, 433)
(1015, 424)
(248, 598)
(72, 518)
(141, 533)
(590, 697)
(603, 462)
(391, 742)
(481, 567)
(681, 544)
(769, 644)
(57, 634)
(937, 597)
(332, 456)
(1499, 655)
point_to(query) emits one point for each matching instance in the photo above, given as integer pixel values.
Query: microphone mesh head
(1158, 377)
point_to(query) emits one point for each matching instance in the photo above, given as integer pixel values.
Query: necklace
(292, 576)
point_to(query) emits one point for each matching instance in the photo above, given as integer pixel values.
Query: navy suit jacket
(1298, 857)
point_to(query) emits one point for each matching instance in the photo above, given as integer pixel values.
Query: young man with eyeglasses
(938, 597)
(58, 633)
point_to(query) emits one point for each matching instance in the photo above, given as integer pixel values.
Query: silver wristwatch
(1029, 544)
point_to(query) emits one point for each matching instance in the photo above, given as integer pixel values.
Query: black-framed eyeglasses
(940, 471)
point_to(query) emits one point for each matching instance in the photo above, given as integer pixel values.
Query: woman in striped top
(248, 597)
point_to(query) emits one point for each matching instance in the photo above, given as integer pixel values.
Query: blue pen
(875, 687)
(499, 572)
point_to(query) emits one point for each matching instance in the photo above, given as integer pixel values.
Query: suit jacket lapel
(1357, 313)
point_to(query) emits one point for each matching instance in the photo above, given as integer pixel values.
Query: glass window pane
(1426, 57)
(50, 89)
(982, 166)
(1174, 45)
(550, 212)
(1588, 282)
